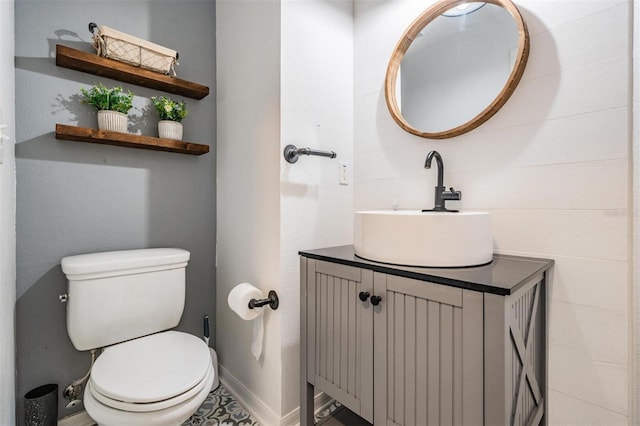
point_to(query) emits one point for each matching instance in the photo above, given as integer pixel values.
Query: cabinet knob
(375, 300)
(364, 295)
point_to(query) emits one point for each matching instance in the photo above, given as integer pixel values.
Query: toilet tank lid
(124, 260)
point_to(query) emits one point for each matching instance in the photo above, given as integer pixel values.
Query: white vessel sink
(415, 238)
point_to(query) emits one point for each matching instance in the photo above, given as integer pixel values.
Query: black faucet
(442, 194)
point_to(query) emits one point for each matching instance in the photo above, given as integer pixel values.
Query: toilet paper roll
(238, 301)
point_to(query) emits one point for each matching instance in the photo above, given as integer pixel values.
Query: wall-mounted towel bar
(291, 153)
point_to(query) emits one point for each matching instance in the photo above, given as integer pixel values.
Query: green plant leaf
(103, 98)
(169, 109)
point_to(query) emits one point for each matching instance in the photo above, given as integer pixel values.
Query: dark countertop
(503, 276)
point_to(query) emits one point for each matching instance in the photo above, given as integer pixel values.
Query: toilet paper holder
(271, 300)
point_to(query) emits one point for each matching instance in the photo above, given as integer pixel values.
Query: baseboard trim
(254, 405)
(81, 418)
(321, 402)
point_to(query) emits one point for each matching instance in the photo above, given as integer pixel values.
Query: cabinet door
(340, 334)
(428, 353)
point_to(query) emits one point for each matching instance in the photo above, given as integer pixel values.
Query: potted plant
(112, 105)
(171, 114)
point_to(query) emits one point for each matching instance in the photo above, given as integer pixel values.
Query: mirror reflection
(458, 67)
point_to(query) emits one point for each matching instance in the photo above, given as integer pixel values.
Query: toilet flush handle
(63, 298)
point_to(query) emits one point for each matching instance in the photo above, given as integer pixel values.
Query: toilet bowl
(154, 380)
(126, 302)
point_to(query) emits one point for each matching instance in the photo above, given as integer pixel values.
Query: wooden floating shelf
(83, 134)
(74, 59)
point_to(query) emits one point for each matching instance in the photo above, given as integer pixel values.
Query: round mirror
(455, 66)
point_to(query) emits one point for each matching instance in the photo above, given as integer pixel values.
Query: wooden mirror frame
(412, 32)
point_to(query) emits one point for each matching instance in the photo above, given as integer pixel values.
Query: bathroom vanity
(415, 346)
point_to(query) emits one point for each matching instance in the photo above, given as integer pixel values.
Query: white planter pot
(168, 129)
(113, 121)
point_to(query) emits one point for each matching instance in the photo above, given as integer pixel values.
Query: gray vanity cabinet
(428, 353)
(403, 359)
(417, 346)
(339, 333)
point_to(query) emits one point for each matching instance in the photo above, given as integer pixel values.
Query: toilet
(127, 302)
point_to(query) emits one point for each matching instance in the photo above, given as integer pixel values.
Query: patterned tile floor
(219, 409)
(339, 415)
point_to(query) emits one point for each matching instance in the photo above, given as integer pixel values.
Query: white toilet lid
(151, 368)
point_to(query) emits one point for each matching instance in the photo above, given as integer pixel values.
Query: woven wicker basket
(123, 47)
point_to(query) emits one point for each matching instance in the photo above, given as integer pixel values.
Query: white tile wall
(543, 15)
(588, 282)
(567, 410)
(579, 233)
(598, 332)
(553, 169)
(577, 374)
(605, 28)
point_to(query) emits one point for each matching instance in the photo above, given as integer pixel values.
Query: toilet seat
(173, 416)
(149, 380)
(152, 368)
(149, 406)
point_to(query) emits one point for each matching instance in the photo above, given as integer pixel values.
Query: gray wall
(75, 198)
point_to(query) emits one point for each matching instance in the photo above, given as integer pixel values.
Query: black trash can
(41, 406)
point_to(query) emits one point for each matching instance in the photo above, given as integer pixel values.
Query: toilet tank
(120, 295)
